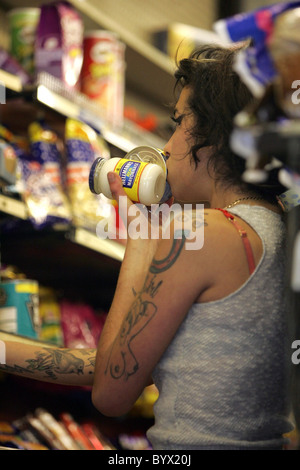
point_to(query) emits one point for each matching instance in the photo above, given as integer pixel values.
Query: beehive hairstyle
(217, 95)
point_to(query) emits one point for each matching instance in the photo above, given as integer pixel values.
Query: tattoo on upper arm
(158, 266)
(52, 362)
(122, 361)
(191, 222)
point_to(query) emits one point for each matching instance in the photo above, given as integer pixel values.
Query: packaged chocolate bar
(76, 432)
(11, 437)
(96, 438)
(43, 433)
(56, 428)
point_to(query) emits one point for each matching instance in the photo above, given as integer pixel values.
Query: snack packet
(18, 146)
(83, 146)
(81, 325)
(49, 311)
(59, 43)
(8, 164)
(254, 64)
(43, 191)
(12, 66)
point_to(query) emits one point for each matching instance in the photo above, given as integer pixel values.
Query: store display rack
(81, 236)
(51, 93)
(149, 71)
(73, 259)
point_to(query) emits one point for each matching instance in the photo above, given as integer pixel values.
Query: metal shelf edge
(107, 247)
(13, 207)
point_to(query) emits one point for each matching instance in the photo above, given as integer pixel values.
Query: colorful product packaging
(83, 146)
(81, 325)
(23, 23)
(56, 429)
(44, 196)
(51, 330)
(254, 64)
(76, 432)
(8, 163)
(12, 66)
(59, 49)
(103, 74)
(19, 307)
(12, 147)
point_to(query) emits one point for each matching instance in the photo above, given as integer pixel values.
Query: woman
(207, 325)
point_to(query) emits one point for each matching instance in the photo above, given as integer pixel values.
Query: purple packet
(48, 47)
(11, 65)
(59, 43)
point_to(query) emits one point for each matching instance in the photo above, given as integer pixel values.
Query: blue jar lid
(92, 175)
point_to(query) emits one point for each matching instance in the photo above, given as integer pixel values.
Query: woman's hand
(144, 225)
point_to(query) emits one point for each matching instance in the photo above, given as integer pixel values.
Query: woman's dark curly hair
(217, 95)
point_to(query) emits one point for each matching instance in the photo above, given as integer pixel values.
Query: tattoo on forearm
(122, 361)
(50, 363)
(140, 314)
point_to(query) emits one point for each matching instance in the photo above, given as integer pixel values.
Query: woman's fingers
(129, 211)
(115, 184)
(126, 207)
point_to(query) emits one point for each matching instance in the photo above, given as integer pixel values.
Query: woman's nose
(166, 154)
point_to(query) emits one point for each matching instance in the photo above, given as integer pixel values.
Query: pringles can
(23, 25)
(103, 73)
(19, 307)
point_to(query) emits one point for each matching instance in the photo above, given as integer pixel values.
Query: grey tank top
(222, 381)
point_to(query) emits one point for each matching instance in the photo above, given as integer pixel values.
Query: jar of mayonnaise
(143, 172)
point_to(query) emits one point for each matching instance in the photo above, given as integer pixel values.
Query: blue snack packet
(44, 195)
(254, 64)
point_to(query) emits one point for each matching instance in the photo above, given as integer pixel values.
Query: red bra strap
(245, 240)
